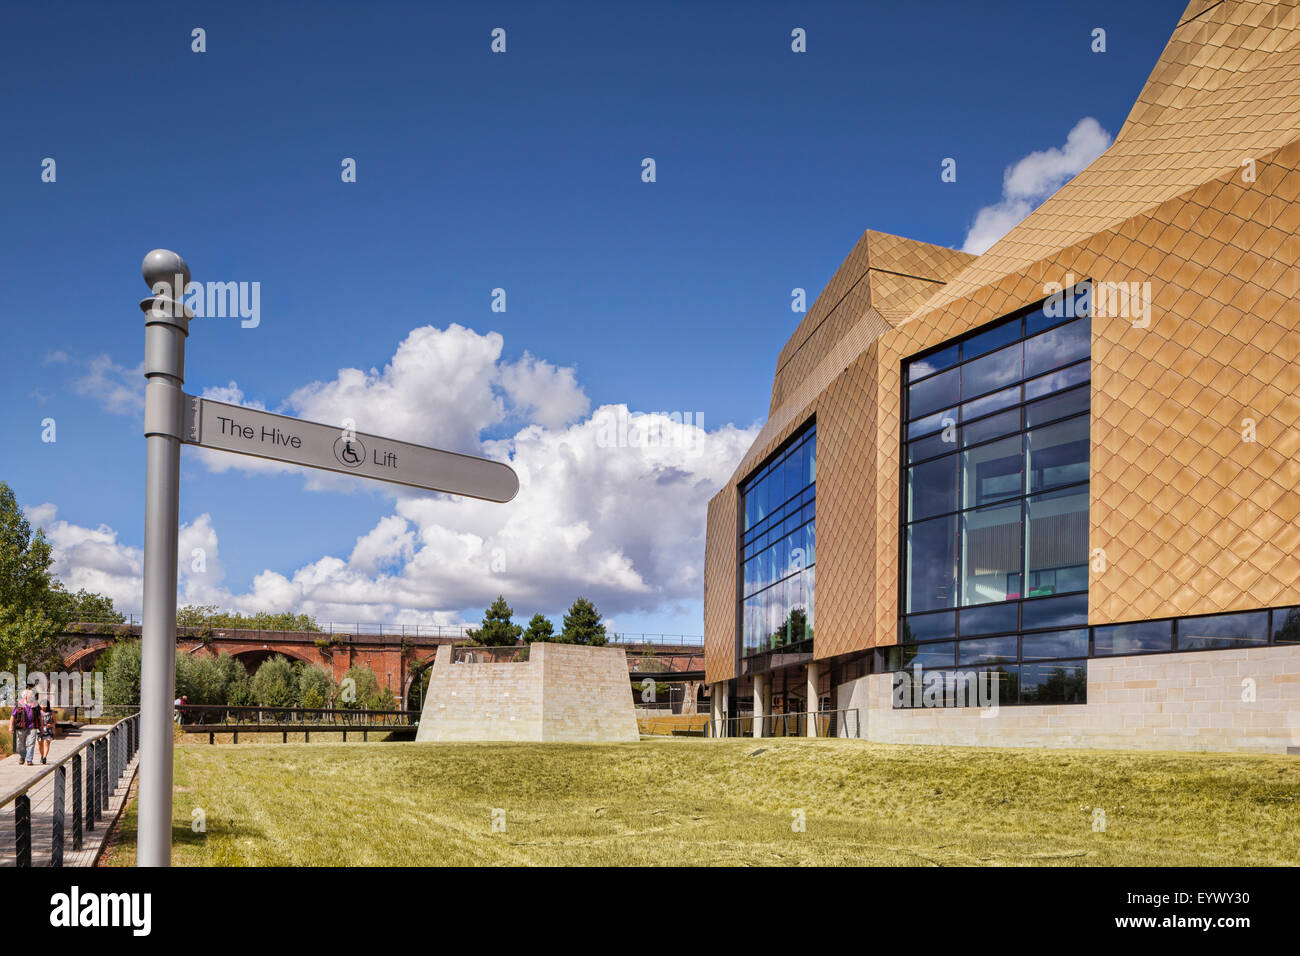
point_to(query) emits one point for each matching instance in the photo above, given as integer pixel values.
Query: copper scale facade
(1200, 196)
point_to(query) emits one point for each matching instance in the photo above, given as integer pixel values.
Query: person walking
(47, 730)
(23, 726)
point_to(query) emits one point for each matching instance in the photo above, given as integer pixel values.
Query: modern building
(1062, 476)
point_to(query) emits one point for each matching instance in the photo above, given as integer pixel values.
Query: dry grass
(684, 801)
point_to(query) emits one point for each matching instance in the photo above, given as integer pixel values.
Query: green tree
(541, 630)
(120, 664)
(497, 627)
(189, 682)
(34, 607)
(366, 692)
(210, 680)
(239, 686)
(201, 680)
(275, 683)
(210, 616)
(89, 606)
(315, 689)
(582, 625)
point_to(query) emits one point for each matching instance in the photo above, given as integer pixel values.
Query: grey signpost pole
(172, 417)
(166, 326)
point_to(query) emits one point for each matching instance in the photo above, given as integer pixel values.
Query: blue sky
(477, 171)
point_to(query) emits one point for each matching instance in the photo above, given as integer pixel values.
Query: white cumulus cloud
(1032, 179)
(611, 504)
(116, 388)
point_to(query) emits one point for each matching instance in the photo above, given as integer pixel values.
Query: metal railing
(253, 716)
(357, 630)
(672, 640)
(92, 771)
(670, 663)
(829, 723)
(99, 713)
(491, 654)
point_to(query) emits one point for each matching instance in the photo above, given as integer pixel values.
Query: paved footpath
(13, 776)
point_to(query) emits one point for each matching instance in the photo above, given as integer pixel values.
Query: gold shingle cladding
(889, 275)
(1187, 514)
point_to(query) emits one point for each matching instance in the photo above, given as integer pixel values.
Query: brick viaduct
(398, 658)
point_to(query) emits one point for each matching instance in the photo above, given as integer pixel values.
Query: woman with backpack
(24, 724)
(47, 729)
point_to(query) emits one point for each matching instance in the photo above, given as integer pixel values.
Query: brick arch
(253, 657)
(414, 672)
(84, 657)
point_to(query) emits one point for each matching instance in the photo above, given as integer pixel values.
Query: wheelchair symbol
(349, 452)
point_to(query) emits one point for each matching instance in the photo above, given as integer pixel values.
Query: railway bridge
(398, 654)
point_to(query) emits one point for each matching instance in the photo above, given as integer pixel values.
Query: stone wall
(562, 692)
(1181, 701)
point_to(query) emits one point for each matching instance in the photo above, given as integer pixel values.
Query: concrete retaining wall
(1181, 701)
(563, 692)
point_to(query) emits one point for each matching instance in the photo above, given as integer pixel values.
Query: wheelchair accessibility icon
(350, 452)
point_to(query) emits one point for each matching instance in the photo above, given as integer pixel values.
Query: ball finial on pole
(163, 265)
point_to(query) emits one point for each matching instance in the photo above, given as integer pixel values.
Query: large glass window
(995, 521)
(778, 548)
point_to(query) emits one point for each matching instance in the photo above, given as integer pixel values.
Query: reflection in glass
(1063, 344)
(1055, 644)
(1137, 638)
(1068, 611)
(990, 403)
(1063, 682)
(1057, 406)
(932, 423)
(994, 338)
(933, 394)
(932, 488)
(940, 443)
(988, 650)
(990, 619)
(1223, 630)
(1058, 381)
(993, 371)
(928, 627)
(932, 564)
(1286, 625)
(929, 655)
(920, 367)
(989, 428)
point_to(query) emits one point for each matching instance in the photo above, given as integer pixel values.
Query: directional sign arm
(248, 431)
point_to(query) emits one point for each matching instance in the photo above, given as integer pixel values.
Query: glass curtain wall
(779, 548)
(995, 504)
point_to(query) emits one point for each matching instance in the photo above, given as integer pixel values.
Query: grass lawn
(689, 801)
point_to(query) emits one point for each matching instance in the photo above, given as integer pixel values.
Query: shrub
(275, 684)
(315, 689)
(121, 667)
(369, 694)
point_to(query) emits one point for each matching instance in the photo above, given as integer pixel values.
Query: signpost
(247, 431)
(172, 417)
